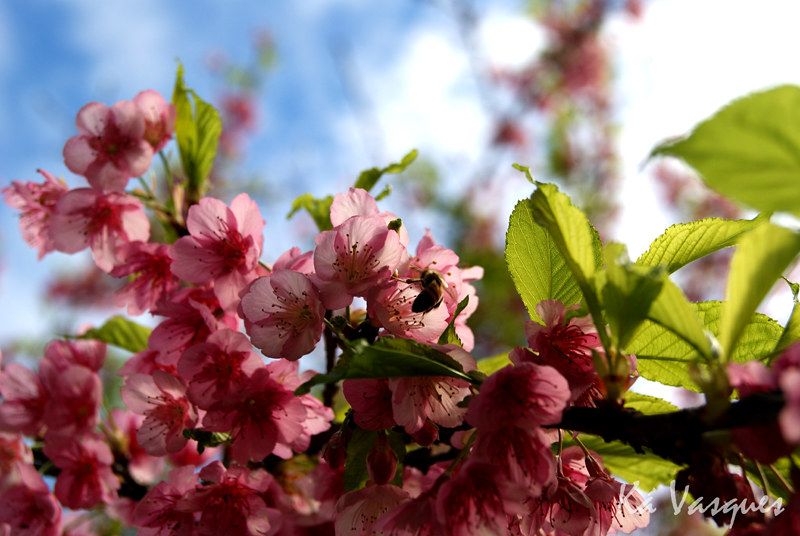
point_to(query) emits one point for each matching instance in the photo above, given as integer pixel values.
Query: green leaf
(526, 170)
(760, 258)
(355, 467)
(121, 332)
(388, 358)
(686, 242)
(642, 469)
(672, 311)
(628, 292)
(490, 365)
(449, 335)
(537, 268)
(368, 178)
(318, 209)
(649, 405)
(197, 131)
(749, 150)
(664, 357)
(791, 333)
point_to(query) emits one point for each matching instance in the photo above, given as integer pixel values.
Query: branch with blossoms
(405, 432)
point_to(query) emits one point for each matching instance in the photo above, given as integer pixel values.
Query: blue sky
(676, 66)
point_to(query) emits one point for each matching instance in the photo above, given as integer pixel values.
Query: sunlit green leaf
(490, 365)
(649, 405)
(536, 266)
(760, 258)
(318, 209)
(197, 130)
(748, 150)
(368, 178)
(121, 332)
(686, 242)
(672, 311)
(664, 357)
(449, 335)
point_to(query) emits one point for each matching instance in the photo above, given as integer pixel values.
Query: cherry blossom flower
(85, 478)
(159, 118)
(27, 508)
(74, 397)
(24, 400)
(223, 246)
(263, 417)
(566, 509)
(359, 202)
(87, 353)
(13, 454)
(231, 502)
(381, 461)
(158, 514)
(619, 506)
(153, 281)
(567, 348)
(414, 400)
(161, 398)
(353, 258)
(192, 314)
(110, 147)
(416, 516)
(371, 401)
(391, 307)
(295, 259)
(217, 367)
(523, 395)
(283, 314)
(357, 511)
(37, 203)
(101, 221)
(477, 500)
(144, 468)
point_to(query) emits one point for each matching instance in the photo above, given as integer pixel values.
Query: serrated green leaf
(355, 467)
(686, 242)
(368, 178)
(760, 258)
(748, 150)
(121, 332)
(490, 365)
(197, 132)
(389, 358)
(535, 263)
(628, 292)
(645, 470)
(318, 209)
(449, 335)
(649, 405)
(664, 357)
(672, 311)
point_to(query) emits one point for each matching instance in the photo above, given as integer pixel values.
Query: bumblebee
(432, 293)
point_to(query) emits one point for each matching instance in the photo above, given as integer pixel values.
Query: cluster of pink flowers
(199, 382)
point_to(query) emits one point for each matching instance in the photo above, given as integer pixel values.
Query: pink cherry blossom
(416, 399)
(223, 246)
(85, 478)
(110, 147)
(37, 203)
(161, 398)
(217, 367)
(415, 517)
(391, 306)
(88, 353)
(567, 348)
(152, 281)
(192, 314)
(566, 509)
(359, 202)
(24, 400)
(75, 394)
(381, 461)
(157, 513)
(371, 401)
(357, 511)
(159, 118)
(101, 221)
(13, 454)
(283, 314)
(295, 259)
(619, 506)
(355, 257)
(232, 502)
(477, 500)
(524, 395)
(789, 417)
(144, 468)
(263, 417)
(27, 508)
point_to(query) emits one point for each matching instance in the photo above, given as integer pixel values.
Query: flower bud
(381, 461)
